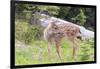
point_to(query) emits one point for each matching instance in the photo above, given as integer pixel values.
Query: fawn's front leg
(49, 48)
(58, 47)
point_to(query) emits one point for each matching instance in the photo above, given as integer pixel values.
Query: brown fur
(57, 31)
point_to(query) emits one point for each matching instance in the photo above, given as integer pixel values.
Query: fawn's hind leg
(74, 47)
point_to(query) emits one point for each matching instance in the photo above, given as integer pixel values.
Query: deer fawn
(55, 32)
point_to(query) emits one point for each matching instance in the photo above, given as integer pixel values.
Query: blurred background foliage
(78, 15)
(31, 38)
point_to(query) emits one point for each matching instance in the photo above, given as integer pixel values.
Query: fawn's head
(54, 29)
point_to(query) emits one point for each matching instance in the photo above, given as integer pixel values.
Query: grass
(36, 51)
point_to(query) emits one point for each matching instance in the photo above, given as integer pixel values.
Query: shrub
(27, 34)
(34, 33)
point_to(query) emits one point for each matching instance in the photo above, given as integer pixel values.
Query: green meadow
(31, 48)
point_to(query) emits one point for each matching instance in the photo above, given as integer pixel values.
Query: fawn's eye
(55, 28)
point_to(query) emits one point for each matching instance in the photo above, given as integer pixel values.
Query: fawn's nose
(60, 33)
